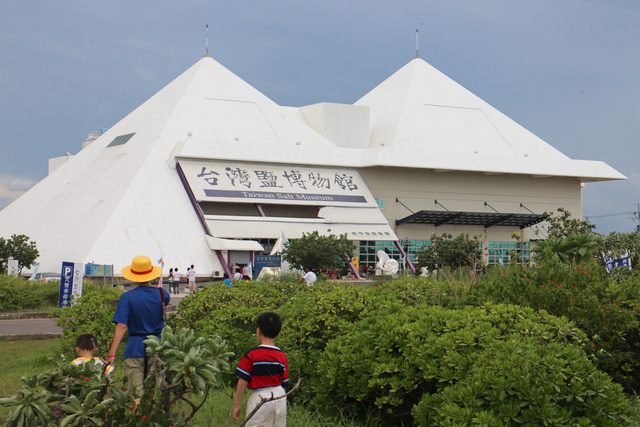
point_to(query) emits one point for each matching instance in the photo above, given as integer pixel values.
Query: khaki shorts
(134, 371)
(270, 414)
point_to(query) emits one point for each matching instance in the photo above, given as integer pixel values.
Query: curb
(15, 316)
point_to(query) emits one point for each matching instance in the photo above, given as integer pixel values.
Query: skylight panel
(121, 140)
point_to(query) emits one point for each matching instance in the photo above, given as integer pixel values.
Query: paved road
(20, 327)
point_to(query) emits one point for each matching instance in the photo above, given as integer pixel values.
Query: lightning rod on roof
(207, 41)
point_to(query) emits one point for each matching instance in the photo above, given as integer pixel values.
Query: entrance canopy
(217, 244)
(486, 219)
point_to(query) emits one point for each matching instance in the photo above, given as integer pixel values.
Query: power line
(607, 215)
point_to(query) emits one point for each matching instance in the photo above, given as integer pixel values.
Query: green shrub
(208, 303)
(18, 293)
(520, 380)
(312, 316)
(390, 361)
(603, 308)
(232, 312)
(91, 314)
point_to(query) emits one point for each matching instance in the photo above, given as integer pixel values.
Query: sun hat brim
(133, 276)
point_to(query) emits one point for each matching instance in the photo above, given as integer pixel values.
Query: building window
(504, 252)
(368, 248)
(380, 203)
(121, 140)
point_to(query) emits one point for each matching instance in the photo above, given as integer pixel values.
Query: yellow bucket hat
(141, 270)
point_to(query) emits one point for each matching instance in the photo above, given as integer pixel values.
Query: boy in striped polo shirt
(264, 370)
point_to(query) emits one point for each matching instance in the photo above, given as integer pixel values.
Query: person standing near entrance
(141, 311)
(176, 280)
(191, 275)
(237, 276)
(170, 278)
(310, 277)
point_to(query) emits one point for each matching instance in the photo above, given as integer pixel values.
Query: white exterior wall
(467, 191)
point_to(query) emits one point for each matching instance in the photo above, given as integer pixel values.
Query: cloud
(12, 187)
(20, 184)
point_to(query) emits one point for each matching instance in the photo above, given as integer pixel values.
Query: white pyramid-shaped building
(209, 171)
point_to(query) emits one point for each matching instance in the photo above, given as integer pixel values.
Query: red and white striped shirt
(264, 366)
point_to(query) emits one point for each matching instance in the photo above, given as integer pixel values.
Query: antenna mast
(207, 40)
(417, 50)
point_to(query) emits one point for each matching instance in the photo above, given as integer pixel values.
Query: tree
(575, 247)
(447, 251)
(563, 225)
(20, 248)
(617, 244)
(5, 254)
(315, 251)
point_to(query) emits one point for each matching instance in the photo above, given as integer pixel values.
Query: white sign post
(12, 267)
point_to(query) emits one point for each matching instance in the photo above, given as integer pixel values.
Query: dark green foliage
(521, 380)
(18, 247)
(385, 348)
(607, 311)
(314, 317)
(183, 367)
(392, 360)
(315, 251)
(574, 240)
(232, 312)
(91, 314)
(563, 225)
(311, 316)
(574, 248)
(18, 293)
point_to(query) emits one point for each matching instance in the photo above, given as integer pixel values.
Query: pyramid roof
(422, 118)
(129, 196)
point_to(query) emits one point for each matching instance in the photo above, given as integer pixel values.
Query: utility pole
(636, 217)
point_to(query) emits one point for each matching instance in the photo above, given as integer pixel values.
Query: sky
(568, 71)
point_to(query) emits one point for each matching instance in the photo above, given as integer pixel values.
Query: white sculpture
(386, 265)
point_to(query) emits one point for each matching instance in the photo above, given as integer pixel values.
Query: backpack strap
(164, 306)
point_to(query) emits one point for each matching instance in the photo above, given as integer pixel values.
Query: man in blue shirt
(141, 312)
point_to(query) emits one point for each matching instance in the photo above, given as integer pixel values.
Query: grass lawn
(22, 358)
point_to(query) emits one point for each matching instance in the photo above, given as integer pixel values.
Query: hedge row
(419, 352)
(18, 293)
(414, 351)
